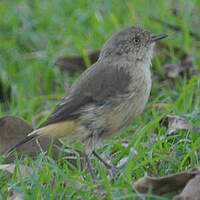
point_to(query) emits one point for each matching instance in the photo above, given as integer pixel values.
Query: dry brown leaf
(73, 64)
(12, 129)
(11, 168)
(24, 171)
(16, 196)
(164, 184)
(122, 162)
(174, 122)
(171, 70)
(191, 190)
(185, 66)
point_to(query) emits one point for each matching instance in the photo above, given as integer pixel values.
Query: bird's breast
(133, 102)
(119, 111)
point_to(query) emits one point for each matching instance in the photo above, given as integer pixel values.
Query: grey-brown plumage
(109, 95)
(96, 86)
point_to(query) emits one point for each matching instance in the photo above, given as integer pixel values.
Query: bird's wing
(96, 85)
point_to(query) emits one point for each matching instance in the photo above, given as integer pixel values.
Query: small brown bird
(108, 96)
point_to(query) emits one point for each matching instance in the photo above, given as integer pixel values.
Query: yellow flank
(61, 129)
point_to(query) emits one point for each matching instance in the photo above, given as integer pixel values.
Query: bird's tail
(24, 140)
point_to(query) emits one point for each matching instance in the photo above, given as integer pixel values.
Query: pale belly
(102, 122)
(132, 104)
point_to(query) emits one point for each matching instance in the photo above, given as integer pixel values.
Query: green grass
(34, 33)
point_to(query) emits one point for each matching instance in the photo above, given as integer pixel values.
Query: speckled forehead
(128, 34)
(140, 32)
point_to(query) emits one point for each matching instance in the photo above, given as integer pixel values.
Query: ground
(34, 34)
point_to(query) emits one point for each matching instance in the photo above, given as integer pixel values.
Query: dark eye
(136, 40)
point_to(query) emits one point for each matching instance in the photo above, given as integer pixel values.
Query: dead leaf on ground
(188, 181)
(166, 184)
(24, 170)
(191, 190)
(74, 64)
(185, 67)
(171, 70)
(122, 162)
(16, 196)
(174, 122)
(13, 129)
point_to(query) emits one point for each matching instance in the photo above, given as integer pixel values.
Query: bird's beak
(155, 38)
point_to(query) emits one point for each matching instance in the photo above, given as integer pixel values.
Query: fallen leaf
(191, 190)
(164, 184)
(174, 122)
(122, 163)
(16, 196)
(11, 168)
(24, 171)
(73, 64)
(184, 67)
(171, 70)
(13, 129)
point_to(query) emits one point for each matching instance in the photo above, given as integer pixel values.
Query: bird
(107, 97)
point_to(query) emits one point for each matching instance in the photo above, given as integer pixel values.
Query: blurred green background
(33, 34)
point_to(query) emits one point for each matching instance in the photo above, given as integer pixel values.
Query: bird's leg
(90, 168)
(111, 169)
(102, 160)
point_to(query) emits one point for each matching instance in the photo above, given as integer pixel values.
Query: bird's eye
(136, 40)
